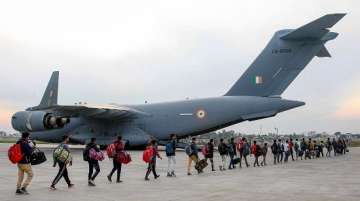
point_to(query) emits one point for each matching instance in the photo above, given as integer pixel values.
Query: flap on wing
(315, 29)
(95, 111)
(323, 52)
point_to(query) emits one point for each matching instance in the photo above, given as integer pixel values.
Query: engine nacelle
(32, 121)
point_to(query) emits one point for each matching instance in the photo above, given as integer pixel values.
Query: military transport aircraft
(256, 95)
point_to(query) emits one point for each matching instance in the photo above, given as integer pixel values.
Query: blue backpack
(169, 149)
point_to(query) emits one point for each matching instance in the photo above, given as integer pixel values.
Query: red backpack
(148, 154)
(110, 150)
(15, 154)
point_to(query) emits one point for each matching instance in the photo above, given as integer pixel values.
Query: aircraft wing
(110, 112)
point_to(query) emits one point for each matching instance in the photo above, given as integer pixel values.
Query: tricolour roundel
(200, 114)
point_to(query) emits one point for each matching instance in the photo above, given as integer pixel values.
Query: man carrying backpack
(119, 147)
(170, 153)
(93, 163)
(210, 153)
(223, 151)
(24, 165)
(62, 163)
(152, 163)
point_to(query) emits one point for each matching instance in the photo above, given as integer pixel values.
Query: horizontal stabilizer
(314, 30)
(323, 52)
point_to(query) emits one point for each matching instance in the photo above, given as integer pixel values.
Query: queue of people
(231, 153)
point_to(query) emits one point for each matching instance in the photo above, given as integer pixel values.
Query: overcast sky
(131, 51)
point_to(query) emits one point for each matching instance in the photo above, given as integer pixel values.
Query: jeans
(231, 165)
(93, 165)
(211, 161)
(116, 167)
(61, 173)
(243, 156)
(151, 168)
(171, 164)
(22, 169)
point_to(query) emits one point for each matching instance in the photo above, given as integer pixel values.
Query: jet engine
(32, 121)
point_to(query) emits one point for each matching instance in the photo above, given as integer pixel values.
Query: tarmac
(324, 179)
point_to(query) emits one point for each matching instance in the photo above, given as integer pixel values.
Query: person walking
(223, 151)
(303, 147)
(170, 154)
(63, 162)
(281, 150)
(119, 149)
(232, 153)
(192, 152)
(210, 153)
(255, 150)
(152, 164)
(328, 147)
(264, 151)
(24, 165)
(291, 149)
(297, 148)
(93, 163)
(275, 151)
(286, 151)
(244, 150)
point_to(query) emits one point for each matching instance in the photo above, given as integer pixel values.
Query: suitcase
(37, 157)
(236, 160)
(201, 164)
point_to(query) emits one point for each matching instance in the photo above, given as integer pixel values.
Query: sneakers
(157, 176)
(19, 192)
(173, 174)
(52, 188)
(70, 185)
(23, 189)
(169, 175)
(188, 173)
(147, 179)
(109, 178)
(119, 181)
(91, 183)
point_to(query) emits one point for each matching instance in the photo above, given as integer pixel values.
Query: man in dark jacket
(170, 154)
(210, 153)
(24, 165)
(223, 151)
(93, 164)
(119, 147)
(232, 153)
(274, 150)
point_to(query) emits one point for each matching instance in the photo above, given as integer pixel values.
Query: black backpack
(86, 153)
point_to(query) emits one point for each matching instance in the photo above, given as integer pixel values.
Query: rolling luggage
(201, 164)
(37, 157)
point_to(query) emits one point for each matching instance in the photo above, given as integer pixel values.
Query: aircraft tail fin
(284, 57)
(50, 96)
